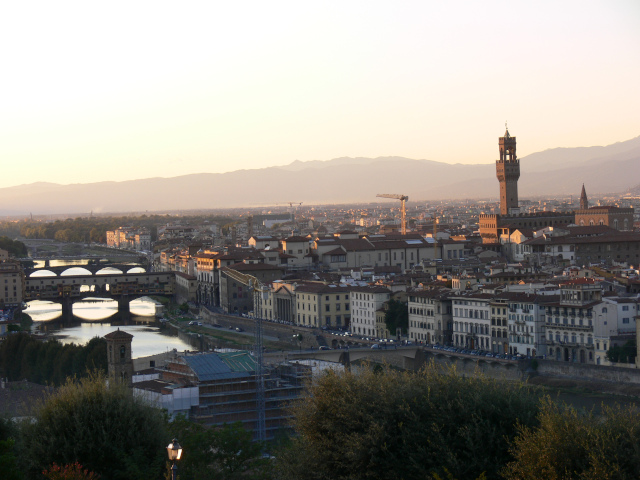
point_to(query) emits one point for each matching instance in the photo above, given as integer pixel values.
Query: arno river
(95, 317)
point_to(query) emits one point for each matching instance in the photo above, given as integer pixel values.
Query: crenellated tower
(508, 173)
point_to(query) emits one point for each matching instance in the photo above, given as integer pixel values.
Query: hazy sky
(96, 91)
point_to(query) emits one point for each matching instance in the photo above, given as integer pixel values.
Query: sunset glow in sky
(95, 91)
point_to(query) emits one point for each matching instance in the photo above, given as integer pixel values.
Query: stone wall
(579, 371)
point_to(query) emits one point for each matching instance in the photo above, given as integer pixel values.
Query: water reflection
(147, 340)
(60, 263)
(98, 316)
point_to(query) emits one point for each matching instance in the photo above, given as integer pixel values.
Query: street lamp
(174, 450)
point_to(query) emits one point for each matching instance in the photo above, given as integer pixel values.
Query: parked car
(324, 347)
(375, 346)
(238, 329)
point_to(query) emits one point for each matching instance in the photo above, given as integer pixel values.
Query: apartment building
(129, 237)
(472, 320)
(365, 302)
(499, 325)
(321, 305)
(430, 316)
(298, 251)
(12, 284)
(236, 294)
(569, 323)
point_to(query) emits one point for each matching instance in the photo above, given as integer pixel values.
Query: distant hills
(613, 168)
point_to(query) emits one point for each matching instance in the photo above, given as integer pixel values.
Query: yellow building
(320, 305)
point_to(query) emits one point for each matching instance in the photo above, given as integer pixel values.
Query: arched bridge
(415, 357)
(124, 287)
(93, 268)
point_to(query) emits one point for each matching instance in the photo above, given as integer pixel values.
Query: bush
(569, 445)
(392, 425)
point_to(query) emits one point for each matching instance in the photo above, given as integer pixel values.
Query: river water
(95, 317)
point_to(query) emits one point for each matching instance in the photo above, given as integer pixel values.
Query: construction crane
(403, 199)
(261, 291)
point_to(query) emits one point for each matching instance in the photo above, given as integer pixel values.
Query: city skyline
(94, 94)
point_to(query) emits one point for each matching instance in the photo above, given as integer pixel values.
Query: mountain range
(612, 168)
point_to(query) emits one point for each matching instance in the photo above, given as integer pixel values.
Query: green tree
(14, 247)
(623, 354)
(401, 425)
(568, 445)
(397, 316)
(8, 460)
(223, 453)
(24, 357)
(102, 426)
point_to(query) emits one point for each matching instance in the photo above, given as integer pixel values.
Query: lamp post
(174, 450)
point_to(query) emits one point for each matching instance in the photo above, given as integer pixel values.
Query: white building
(365, 302)
(472, 321)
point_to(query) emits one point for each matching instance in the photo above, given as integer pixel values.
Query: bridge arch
(75, 271)
(136, 270)
(43, 273)
(109, 271)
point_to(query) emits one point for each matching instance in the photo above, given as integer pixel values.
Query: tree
(24, 357)
(402, 425)
(396, 316)
(223, 453)
(569, 445)
(103, 427)
(623, 354)
(8, 460)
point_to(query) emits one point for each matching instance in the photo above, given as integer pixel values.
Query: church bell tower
(508, 173)
(119, 359)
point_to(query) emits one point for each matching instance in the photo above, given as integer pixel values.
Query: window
(625, 320)
(326, 308)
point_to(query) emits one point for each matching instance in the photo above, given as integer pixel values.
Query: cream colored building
(365, 302)
(320, 305)
(11, 284)
(430, 319)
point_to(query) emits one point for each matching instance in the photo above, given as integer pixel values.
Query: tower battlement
(508, 173)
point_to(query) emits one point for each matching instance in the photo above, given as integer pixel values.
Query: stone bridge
(123, 287)
(415, 357)
(93, 268)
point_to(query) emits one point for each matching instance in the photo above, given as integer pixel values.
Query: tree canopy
(24, 357)
(223, 453)
(624, 354)
(396, 316)
(102, 426)
(582, 446)
(392, 425)
(14, 247)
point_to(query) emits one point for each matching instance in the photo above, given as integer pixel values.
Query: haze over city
(132, 91)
